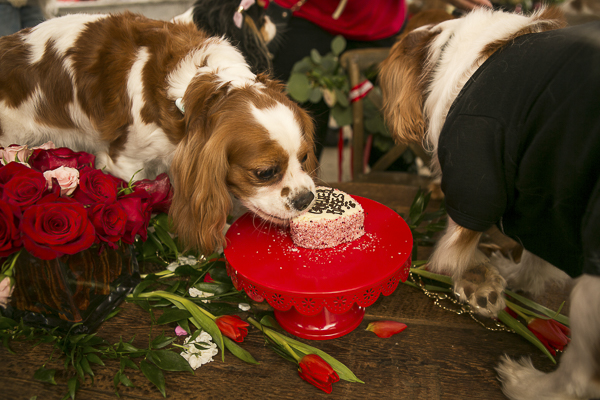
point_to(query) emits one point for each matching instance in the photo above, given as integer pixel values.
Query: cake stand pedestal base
(325, 325)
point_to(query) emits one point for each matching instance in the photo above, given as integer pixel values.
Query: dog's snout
(303, 200)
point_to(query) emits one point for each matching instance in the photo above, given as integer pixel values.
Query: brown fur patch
(548, 19)
(402, 79)
(285, 191)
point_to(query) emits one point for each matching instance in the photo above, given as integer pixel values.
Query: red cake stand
(320, 294)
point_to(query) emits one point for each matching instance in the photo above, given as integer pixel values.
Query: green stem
(279, 339)
(519, 310)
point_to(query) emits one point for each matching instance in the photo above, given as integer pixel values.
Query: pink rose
(160, 191)
(10, 238)
(22, 186)
(68, 179)
(6, 289)
(110, 221)
(14, 152)
(44, 160)
(56, 226)
(45, 146)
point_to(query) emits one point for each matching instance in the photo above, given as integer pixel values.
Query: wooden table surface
(440, 355)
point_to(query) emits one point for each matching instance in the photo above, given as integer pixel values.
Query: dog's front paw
(481, 287)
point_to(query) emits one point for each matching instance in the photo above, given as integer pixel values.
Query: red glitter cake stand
(320, 294)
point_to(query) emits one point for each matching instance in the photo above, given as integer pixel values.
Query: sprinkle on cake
(334, 218)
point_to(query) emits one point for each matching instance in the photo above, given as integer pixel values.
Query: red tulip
(233, 327)
(551, 333)
(385, 329)
(316, 371)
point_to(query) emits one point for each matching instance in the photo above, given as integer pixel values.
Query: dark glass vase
(72, 292)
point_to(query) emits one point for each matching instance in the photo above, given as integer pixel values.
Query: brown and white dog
(508, 106)
(109, 84)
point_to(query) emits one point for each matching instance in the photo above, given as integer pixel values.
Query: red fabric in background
(361, 19)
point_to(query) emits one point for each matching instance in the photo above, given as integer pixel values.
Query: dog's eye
(304, 159)
(267, 174)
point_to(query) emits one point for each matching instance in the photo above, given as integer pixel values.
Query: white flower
(196, 357)
(244, 306)
(199, 293)
(181, 260)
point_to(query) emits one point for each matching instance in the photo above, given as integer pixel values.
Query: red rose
(10, 238)
(56, 226)
(138, 209)
(109, 220)
(97, 187)
(160, 191)
(22, 186)
(44, 160)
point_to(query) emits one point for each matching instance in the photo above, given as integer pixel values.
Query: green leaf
(85, 365)
(165, 238)
(342, 115)
(125, 380)
(113, 313)
(163, 221)
(91, 357)
(299, 87)
(157, 243)
(169, 361)
(154, 375)
(173, 315)
(238, 351)
(302, 66)
(162, 341)
(338, 45)
(184, 323)
(342, 98)
(315, 56)
(45, 375)
(73, 385)
(522, 330)
(315, 95)
(148, 280)
(127, 363)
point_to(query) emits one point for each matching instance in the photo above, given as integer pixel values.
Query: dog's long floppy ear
(403, 85)
(201, 201)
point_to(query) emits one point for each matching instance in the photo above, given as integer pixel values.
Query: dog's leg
(578, 374)
(476, 281)
(531, 274)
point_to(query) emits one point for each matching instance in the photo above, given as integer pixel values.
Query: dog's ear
(201, 201)
(402, 83)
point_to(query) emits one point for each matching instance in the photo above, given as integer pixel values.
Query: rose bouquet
(65, 224)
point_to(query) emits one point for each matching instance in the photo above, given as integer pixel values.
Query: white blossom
(199, 293)
(197, 357)
(182, 260)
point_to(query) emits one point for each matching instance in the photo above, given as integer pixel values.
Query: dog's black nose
(303, 200)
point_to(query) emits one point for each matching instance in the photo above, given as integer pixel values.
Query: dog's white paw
(481, 287)
(522, 381)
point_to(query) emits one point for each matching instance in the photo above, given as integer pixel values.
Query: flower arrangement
(54, 203)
